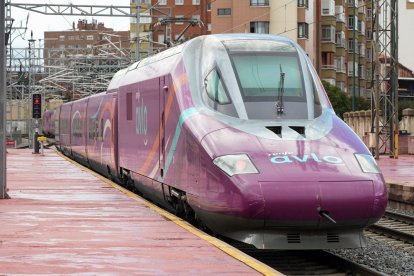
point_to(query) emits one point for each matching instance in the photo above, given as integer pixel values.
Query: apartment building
(81, 61)
(293, 19)
(336, 34)
(83, 35)
(163, 22)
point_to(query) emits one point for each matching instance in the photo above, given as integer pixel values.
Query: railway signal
(36, 106)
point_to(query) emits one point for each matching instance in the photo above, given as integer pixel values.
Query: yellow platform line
(233, 252)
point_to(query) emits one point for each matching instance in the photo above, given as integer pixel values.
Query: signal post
(36, 115)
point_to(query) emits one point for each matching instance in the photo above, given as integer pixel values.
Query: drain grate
(293, 237)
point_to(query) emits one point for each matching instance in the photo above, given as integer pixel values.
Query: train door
(164, 90)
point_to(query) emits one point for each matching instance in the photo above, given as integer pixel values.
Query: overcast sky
(40, 23)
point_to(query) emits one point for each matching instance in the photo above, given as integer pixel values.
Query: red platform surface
(398, 171)
(399, 175)
(62, 219)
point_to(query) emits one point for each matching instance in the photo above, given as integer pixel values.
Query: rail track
(396, 226)
(307, 262)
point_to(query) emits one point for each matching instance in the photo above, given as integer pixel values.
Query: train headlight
(367, 163)
(235, 164)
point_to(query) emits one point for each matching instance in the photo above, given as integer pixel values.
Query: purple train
(235, 132)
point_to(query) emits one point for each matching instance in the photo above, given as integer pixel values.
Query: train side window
(102, 129)
(129, 106)
(215, 88)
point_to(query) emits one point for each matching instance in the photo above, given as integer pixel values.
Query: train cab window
(260, 77)
(215, 88)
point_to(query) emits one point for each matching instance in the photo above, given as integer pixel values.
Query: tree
(341, 102)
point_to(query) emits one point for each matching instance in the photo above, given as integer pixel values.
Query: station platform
(65, 219)
(399, 176)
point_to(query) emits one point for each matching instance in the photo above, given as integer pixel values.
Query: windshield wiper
(279, 103)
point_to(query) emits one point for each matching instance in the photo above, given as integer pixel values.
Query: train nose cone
(317, 204)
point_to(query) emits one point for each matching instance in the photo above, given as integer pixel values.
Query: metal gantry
(3, 183)
(385, 93)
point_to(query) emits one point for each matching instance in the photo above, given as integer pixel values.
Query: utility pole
(386, 87)
(354, 42)
(3, 157)
(138, 26)
(394, 122)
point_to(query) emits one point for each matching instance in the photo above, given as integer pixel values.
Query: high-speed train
(236, 133)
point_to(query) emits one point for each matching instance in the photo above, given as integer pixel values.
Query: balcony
(328, 71)
(341, 18)
(328, 8)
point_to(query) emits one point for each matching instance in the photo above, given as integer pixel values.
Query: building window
(145, 18)
(61, 38)
(161, 38)
(369, 74)
(179, 17)
(351, 45)
(352, 3)
(351, 69)
(328, 61)
(303, 30)
(259, 2)
(341, 85)
(369, 34)
(303, 3)
(340, 14)
(79, 37)
(328, 34)
(340, 39)
(209, 6)
(224, 11)
(340, 64)
(179, 2)
(209, 27)
(71, 37)
(260, 27)
(351, 22)
(361, 49)
(369, 13)
(196, 2)
(162, 2)
(369, 54)
(89, 37)
(361, 26)
(328, 7)
(361, 71)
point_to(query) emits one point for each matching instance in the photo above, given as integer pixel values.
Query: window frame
(259, 3)
(224, 10)
(219, 74)
(305, 29)
(263, 24)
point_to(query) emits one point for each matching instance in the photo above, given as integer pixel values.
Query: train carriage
(236, 132)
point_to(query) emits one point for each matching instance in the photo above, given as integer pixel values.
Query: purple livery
(234, 132)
